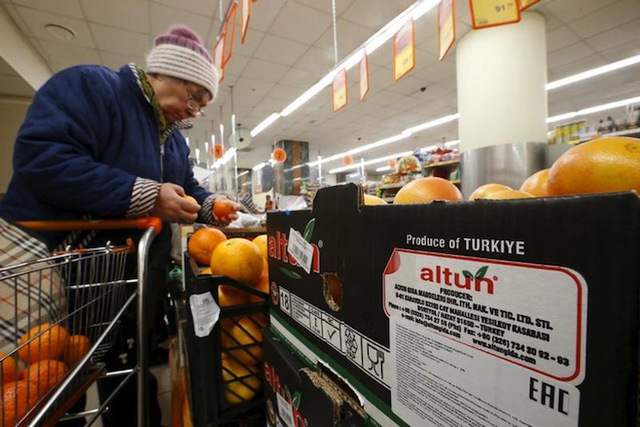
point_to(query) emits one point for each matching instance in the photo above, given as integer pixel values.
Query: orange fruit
(18, 397)
(42, 342)
(509, 194)
(262, 285)
(191, 199)
(536, 184)
(426, 190)
(239, 259)
(598, 166)
(373, 200)
(202, 243)
(10, 370)
(77, 347)
(244, 341)
(44, 375)
(241, 382)
(230, 296)
(486, 190)
(222, 208)
(261, 242)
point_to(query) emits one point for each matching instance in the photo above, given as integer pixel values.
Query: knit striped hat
(180, 53)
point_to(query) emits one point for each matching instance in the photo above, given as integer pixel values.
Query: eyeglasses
(192, 104)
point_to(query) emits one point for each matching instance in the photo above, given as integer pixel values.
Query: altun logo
(442, 275)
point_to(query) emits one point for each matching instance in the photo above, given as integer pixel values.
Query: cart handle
(141, 223)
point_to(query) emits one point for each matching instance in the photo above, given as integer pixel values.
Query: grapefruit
(373, 200)
(509, 194)
(536, 184)
(486, 190)
(239, 259)
(598, 166)
(426, 190)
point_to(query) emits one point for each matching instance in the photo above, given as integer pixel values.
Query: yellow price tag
(489, 13)
(527, 3)
(404, 50)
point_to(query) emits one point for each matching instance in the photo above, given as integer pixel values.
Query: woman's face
(179, 99)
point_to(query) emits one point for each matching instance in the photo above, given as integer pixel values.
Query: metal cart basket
(56, 299)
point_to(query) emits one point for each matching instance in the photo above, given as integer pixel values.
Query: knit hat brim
(183, 63)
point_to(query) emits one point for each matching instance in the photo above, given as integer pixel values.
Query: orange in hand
(190, 198)
(223, 209)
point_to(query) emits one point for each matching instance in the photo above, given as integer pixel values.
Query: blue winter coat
(87, 135)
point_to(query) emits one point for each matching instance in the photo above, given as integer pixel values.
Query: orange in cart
(536, 184)
(203, 242)
(261, 242)
(44, 375)
(77, 347)
(241, 382)
(17, 398)
(427, 190)
(239, 259)
(10, 368)
(598, 166)
(244, 341)
(41, 342)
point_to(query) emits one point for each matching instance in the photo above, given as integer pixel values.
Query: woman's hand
(172, 206)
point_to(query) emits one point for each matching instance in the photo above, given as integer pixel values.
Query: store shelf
(441, 164)
(635, 132)
(392, 186)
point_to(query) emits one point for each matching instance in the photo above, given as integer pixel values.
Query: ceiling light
(594, 72)
(60, 31)
(431, 124)
(371, 162)
(383, 169)
(264, 124)
(594, 109)
(259, 166)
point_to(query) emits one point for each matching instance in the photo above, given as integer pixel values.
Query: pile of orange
(47, 352)
(427, 190)
(601, 165)
(202, 243)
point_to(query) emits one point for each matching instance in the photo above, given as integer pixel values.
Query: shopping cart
(81, 292)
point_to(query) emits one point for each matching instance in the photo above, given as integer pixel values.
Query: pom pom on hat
(180, 53)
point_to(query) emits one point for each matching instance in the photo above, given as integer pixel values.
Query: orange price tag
(446, 27)
(340, 90)
(246, 15)
(364, 76)
(404, 50)
(218, 151)
(279, 155)
(218, 56)
(230, 20)
(347, 160)
(490, 13)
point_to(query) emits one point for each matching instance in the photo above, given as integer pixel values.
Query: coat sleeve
(59, 142)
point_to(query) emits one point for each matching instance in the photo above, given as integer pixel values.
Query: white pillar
(501, 78)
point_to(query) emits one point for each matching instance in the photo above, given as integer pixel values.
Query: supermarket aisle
(163, 374)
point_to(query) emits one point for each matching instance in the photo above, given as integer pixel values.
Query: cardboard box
(506, 313)
(297, 394)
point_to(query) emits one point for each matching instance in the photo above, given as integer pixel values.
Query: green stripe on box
(277, 321)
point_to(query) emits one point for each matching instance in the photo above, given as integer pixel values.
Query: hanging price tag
(404, 51)
(205, 313)
(340, 90)
(490, 13)
(246, 15)
(446, 27)
(527, 3)
(364, 76)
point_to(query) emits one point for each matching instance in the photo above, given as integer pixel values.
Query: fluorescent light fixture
(370, 162)
(242, 173)
(259, 166)
(383, 169)
(308, 94)
(264, 124)
(594, 72)
(187, 140)
(376, 144)
(353, 175)
(594, 109)
(431, 124)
